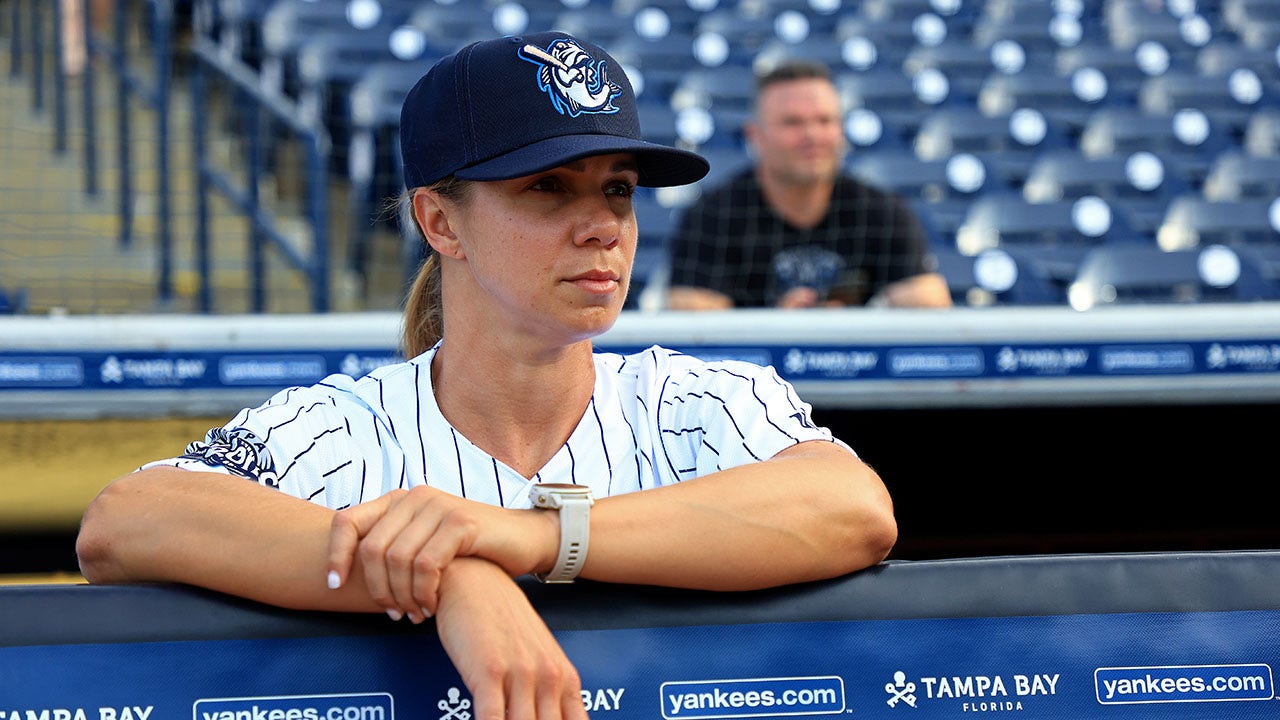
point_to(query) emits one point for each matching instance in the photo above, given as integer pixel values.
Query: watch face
(552, 494)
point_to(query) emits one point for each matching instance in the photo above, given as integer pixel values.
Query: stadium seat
(1236, 175)
(1240, 14)
(1140, 185)
(729, 87)
(1119, 66)
(946, 187)
(1039, 39)
(892, 38)
(1188, 137)
(1195, 221)
(1262, 133)
(661, 62)
(965, 65)
(996, 277)
(1007, 143)
(1222, 57)
(1131, 23)
(1055, 234)
(1043, 89)
(596, 22)
(902, 102)
(746, 33)
(455, 24)
(1144, 274)
(1228, 103)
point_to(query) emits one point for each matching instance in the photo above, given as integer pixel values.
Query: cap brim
(659, 165)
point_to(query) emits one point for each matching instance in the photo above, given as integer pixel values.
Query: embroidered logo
(575, 82)
(237, 450)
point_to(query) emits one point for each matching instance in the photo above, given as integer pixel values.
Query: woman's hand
(502, 649)
(404, 540)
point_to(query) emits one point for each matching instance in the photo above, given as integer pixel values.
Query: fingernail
(335, 582)
(394, 614)
(425, 612)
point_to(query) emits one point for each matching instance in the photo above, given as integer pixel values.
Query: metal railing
(263, 109)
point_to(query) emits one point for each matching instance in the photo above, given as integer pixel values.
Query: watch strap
(575, 533)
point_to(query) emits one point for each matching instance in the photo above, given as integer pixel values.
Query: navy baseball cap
(513, 106)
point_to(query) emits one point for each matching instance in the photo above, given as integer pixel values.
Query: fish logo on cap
(575, 81)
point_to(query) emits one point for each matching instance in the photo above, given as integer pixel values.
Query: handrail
(155, 94)
(263, 231)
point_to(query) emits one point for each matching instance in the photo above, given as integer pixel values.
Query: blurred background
(236, 156)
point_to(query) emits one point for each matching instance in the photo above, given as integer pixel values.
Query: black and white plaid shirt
(729, 239)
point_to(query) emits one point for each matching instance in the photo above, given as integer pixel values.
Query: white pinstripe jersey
(656, 417)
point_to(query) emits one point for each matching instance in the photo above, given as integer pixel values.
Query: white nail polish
(395, 614)
(335, 582)
(425, 613)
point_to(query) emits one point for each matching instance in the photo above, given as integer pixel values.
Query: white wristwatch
(574, 503)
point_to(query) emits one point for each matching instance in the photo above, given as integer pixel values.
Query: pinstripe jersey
(655, 417)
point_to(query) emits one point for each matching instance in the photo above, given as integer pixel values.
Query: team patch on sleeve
(239, 451)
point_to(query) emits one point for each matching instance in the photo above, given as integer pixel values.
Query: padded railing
(1073, 636)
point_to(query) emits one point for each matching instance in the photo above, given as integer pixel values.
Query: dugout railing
(1153, 635)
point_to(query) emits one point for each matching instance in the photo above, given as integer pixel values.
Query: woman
(411, 491)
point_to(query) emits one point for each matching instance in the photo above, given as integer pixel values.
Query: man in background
(794, 230)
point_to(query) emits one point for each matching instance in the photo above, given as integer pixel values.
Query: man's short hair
(793, 70)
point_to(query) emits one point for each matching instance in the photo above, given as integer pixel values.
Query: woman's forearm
(812, 512)
(214, 531)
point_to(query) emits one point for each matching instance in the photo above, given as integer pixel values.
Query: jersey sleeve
(307, 442)
(718, 415)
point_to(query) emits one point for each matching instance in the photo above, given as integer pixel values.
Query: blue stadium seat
(1055, 234)
(1119, 66)
(892, 95)
(966, 65)
(455, 24)
(1037, 38)
(596, 22)
(893, 38)
(1240, 15)
(746, 33)
(1008, 143)
(1131, 23)
(1223, 56)
(1144, 274)
(729, 87)
(1140, 185)
(1195, 221)
(1188, 137)
(776, 51)
(996, 277)
(661, 62)
(1225, 102)
(1042, 89)
(1262, 133)
(1236, 175)
(946, 187)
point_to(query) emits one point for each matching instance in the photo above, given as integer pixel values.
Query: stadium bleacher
(1054, 100)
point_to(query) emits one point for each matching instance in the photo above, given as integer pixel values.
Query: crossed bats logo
(575, 82)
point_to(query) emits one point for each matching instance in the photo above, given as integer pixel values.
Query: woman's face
(551, 252)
